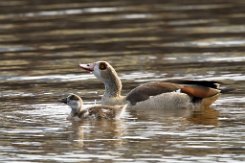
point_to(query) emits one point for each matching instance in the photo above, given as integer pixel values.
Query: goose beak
(88, 67)
(64, 100)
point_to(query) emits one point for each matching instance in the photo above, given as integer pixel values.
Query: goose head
(75, 103)
(103, 71)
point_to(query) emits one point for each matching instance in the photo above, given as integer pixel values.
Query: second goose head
(75, 103)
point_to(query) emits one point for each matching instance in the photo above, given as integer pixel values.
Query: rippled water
(42, 42)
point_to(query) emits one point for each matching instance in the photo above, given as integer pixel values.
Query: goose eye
(102, 66)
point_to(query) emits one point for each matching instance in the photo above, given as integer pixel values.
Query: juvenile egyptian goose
(175, 94)
(78, 112)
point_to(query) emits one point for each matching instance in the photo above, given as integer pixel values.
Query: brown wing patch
(195, 89)
(199, 92)
(144, 91)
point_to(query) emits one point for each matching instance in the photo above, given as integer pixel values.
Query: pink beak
(88, 67)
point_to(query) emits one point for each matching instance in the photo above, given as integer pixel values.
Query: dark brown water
(42, 42)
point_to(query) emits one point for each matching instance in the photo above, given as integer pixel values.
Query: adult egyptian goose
(174, 94)
(78, 112)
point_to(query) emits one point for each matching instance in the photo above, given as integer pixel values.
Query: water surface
(42, 42)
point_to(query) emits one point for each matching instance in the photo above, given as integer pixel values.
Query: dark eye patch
(102, 66)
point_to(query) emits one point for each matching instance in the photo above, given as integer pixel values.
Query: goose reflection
(105, 131)
(205, 116)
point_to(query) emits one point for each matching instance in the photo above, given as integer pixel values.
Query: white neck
(76, 107)
(112, 89)
(113, 86)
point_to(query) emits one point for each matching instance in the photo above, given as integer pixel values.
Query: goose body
(160, 95)
(78, 112)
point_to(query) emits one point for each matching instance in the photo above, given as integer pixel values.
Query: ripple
(16, 93)
(224, 59)
(52, 110)
(235, 77)
(135, 137)
(231, 100)
(12, 48)
(191, 22)
(194, 7)
(212, 29)
(209, 43)
(137, 16)
(50, 78)
(72, 11)
(138, 76)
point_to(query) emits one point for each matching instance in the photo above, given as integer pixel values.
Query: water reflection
(85, 132)
(205, 116)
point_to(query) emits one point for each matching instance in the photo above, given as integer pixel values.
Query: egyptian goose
(174, 94)
(78, 112)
